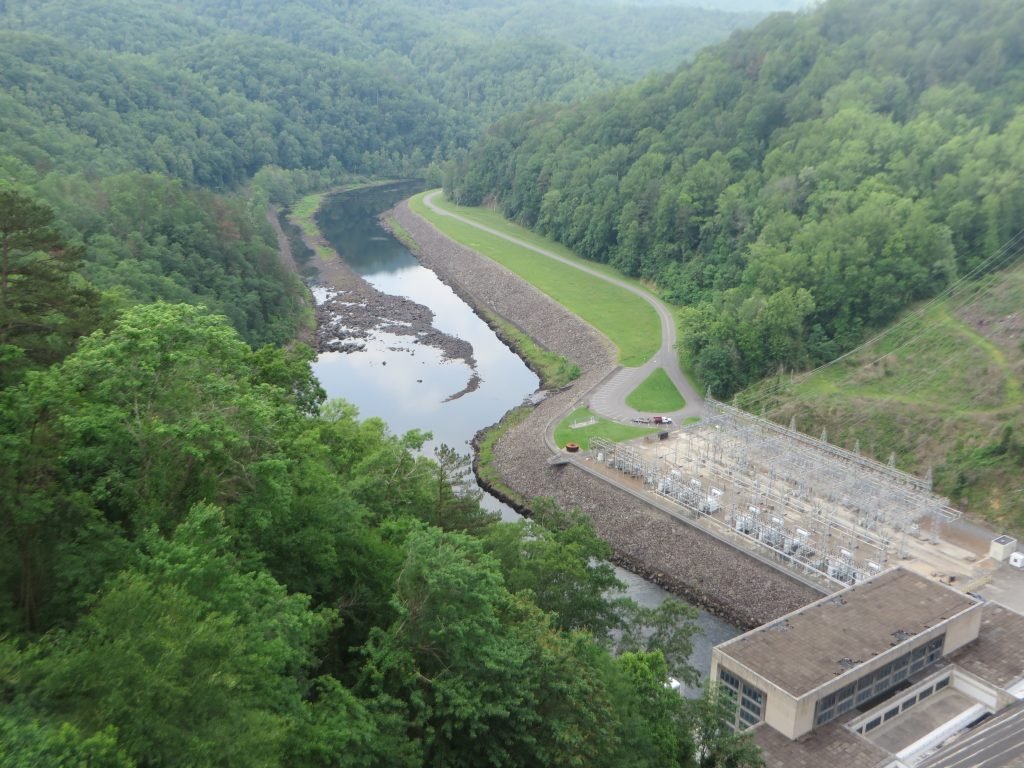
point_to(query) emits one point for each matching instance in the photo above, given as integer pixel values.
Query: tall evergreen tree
(44, 304)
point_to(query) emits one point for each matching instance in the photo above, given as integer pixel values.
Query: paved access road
(609, 397)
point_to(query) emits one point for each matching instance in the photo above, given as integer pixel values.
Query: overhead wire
(1003, 257)
(948, 350)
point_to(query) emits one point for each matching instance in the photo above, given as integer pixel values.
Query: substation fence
(878, 497)
(794, 548)
(812, 506)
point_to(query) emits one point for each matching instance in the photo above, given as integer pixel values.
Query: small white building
(1001, 548)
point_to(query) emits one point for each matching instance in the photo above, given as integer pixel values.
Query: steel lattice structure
(811, 504)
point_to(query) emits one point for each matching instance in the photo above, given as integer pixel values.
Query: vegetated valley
(202, 563)
(795, 190)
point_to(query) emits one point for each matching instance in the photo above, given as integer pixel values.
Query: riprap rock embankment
(683, 559)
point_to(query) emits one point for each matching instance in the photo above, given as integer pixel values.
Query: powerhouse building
(804, 670)
(879, 675)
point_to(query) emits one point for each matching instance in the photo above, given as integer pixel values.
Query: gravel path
(683, 559)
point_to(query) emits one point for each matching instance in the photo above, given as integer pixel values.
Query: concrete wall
(979, 690)
(793, 717)
(780, 709)
(962, 629)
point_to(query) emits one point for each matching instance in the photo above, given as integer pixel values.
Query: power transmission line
(1003, 257)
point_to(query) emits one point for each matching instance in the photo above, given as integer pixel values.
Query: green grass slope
(942, 389)
(625, 318)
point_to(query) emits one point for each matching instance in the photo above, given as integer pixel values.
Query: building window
(750, 700)
(748, 719)
(878, 682)
(729, 680)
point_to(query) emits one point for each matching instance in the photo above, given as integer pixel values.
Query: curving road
(609, 397)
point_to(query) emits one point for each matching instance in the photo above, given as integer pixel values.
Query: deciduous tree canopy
(200, 565)
(792, 187)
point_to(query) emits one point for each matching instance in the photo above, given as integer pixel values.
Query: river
(409, 386)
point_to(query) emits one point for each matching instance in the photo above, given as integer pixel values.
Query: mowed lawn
(617, 433)
(629, 321)
(656, 393)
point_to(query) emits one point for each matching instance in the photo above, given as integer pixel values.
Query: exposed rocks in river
(352, 311)
(680, 558)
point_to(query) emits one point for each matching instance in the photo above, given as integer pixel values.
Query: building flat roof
(832, 745)
(997, 656)
(836, 634)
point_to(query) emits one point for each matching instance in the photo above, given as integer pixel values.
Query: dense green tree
(717, 745)
(487, 680)
(337, 729)
(45, 305)
(28, 742)
(168, 409)
(667, 741)
(194, 661)
(797, 185)
(558, 559)
(457, 505)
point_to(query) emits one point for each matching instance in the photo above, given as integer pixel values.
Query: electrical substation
(829, 514)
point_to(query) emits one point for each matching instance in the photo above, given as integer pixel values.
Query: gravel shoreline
(680, 558)
(351, 311)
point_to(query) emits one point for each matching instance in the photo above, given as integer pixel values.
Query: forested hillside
(941, 390)
(481, 59)
(116, 112)
(201, 562)
(794, 187)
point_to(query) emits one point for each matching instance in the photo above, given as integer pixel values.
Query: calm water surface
(407, 385)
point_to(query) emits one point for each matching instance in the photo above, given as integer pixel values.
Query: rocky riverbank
(349, 311)
(680, 558)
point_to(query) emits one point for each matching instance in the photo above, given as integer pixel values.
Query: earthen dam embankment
(683, 559)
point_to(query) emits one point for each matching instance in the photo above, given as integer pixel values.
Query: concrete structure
(815, 664)
(896, 672)
(1002, 547)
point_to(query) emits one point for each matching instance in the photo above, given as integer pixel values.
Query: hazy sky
(764, 6)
